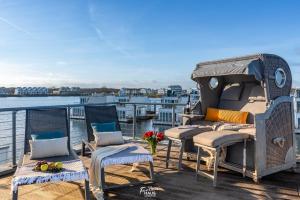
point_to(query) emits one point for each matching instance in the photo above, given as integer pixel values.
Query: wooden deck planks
(170, 184)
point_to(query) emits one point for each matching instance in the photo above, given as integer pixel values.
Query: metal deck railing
(12, 128)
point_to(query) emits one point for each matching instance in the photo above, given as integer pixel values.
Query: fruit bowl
(44, 166)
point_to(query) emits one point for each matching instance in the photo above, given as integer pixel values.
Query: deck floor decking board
(170, 183)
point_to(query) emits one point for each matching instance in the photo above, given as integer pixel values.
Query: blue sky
(137, 43)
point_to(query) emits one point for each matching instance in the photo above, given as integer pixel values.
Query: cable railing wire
(17, 116)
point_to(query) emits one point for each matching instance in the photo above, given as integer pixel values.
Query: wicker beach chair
(43, 121)
(134, 154)
(260, 85)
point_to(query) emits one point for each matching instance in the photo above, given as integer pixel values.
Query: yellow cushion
(214, 114)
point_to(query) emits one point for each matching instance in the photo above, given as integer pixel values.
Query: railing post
(134, 121)
(14, 138)
(154, 109)
(69, 122)
(173, 115)
(69, 116)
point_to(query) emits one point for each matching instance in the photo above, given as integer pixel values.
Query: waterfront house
(4, 91)
(296, 94)
(29, 91)
(174, 90)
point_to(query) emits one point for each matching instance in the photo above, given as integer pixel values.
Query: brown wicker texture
(271, 63)
(279, 125)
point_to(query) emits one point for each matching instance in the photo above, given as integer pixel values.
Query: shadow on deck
(170, 184)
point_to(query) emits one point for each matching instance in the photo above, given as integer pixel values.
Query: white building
(31, 91)
(75, 89)
(174, 90)
(162, 91)
(130, 92)
(64, 90)
(135, 91)
(165, 111)
(125, 111)
(68, 91)
(4, 91)
(194, 94)
(296, 95)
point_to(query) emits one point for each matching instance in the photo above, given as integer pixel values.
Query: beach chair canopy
(232, 83)
(239, 66)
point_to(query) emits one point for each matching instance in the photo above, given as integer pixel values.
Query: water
(78, 127)
(9, 102)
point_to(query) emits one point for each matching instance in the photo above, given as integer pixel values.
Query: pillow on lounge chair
(217, 115)
(47, 135)
(108, 138)
(104, 127)
(49, 147)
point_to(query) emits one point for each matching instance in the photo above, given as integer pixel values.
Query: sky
(137, 43)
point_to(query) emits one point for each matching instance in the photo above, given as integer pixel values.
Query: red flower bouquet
(153, 138)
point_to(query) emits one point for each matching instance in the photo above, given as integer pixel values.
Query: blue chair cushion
(44, 135)
(104, 127)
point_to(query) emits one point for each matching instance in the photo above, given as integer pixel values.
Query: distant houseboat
(161, 114)
(165, 111)
(125, 111)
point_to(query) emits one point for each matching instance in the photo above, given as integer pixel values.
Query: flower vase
(153, 149)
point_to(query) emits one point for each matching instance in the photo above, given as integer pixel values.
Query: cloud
(99, 33)
(14, 74)
(16, 27)
(113, 45)
(110, 43)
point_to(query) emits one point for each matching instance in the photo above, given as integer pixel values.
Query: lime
(44, 167)
(58, 165)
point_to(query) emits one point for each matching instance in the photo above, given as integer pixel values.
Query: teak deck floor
(170, 184)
